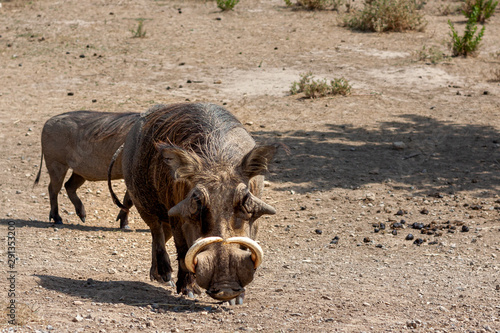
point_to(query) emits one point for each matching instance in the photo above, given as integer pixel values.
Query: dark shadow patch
(43, 225)
(133, 293)
(437, 156)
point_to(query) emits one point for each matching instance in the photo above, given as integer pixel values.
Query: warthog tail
(113, 195)
(39, 172)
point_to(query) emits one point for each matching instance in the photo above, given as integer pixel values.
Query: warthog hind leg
(123, 214)
(57, 171)
(73, 183)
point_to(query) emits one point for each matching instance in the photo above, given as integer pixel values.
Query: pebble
(318, 231)
(77, 302)
(418, 241)
(78, 319)
(398, 145)
(397, 225)
(417, 226)
(409, 237)
(465, 228)
(335, 240)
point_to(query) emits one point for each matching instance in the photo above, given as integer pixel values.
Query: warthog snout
(224, 268)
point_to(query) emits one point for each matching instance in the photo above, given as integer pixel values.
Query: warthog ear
(182, 163)
(256, 161)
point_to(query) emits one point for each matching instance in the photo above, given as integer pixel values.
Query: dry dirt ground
(343, 177)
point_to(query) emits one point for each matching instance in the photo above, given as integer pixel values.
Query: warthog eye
(246, 207)
(200, 213)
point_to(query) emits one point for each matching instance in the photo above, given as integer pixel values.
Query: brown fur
(85, 142)
(195, 155)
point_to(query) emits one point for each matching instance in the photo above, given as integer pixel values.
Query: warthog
(84, 141)
(194, 172)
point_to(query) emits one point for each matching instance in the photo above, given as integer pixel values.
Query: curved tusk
(190, 259)
(262, 208)
(257, 253)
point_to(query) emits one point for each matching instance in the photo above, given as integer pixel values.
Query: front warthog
(84, 141)
(194, 172)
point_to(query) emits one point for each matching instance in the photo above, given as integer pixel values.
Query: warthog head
(215, 208)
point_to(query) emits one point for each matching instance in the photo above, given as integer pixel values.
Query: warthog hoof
(237, 301)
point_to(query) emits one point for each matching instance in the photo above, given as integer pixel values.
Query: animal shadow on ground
(133, 293)
(43, 224)
(419, 153)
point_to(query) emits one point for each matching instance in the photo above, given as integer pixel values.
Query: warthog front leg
(123, 214)
(161, 269)
(186, 281)
(73, 183)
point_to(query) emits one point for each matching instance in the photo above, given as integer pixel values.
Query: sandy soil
(344, 177)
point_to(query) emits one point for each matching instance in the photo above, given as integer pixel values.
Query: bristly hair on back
(202, 130)
(108, 124)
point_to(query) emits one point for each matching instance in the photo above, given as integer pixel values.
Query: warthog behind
(194, 172)
(84, 141)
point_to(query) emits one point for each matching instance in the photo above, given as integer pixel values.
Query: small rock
(397, 225)
(409, 237)
(418, 241)
(424, 211)
(370, 196)
(367, 240)
(465, 228)
(411, 324)
(318, 231)
(398, 145)
(400, 212)
(77, 302)
(78, 319)
(335, 240)
(418, 226)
